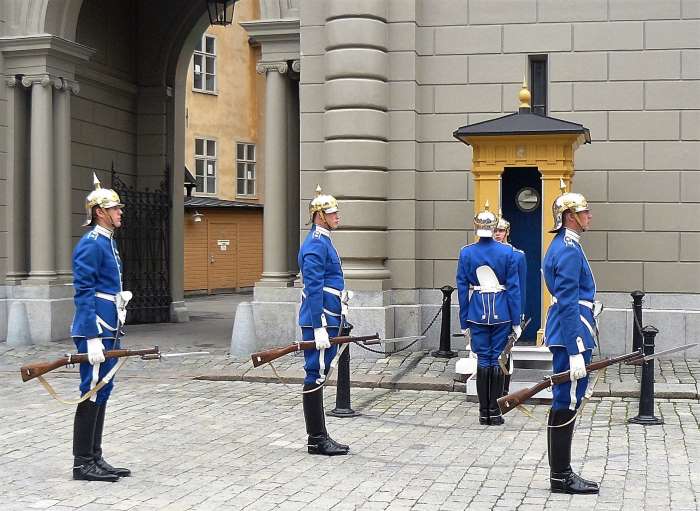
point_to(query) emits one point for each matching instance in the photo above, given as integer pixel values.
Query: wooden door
(223, 256)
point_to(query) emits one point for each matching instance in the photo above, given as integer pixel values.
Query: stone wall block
(441, 185)
(360, 244)
(644, 125)
(595, 244)
(690, 246)
(366, 214)
(618, 217)
(370, 184)
(442, 69)
(439, 128)
(311, 127)
(622, 35)
(401, 214)
(611, 155)
(454, 215)
(403, 155)
(403, 276)
(644, 186)
(645, 65)
(618, 276)
(343, 32)
(615, 334)
(533, 38)
(672, 34)
(608, 96)
(643, 246)
(578, 67)
(690, 186)
(495, 12)
(441, 244)
(350, 8)
(312, 69)
(497, 68)
(672, 217)
(355, 153)
(401, 244)
(592, 184)
(356, 93)
(690, 65)
(636, 10)
(449, 12)
(402, 126)
(664, 95)
(671, 327)
(467, 40)
(406, 37)
(339, 123)
(549, 11)
(672, 155)
(453, 156)
(403, 96)
(356, 63)
(402, 184)
(467, 98)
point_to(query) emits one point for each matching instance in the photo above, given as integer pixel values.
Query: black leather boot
(482, 391)
(562, 479)
(495, 391)
(84, 467)
(319, 441)
(97, 446)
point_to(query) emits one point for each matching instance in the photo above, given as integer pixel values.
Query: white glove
(321, 338)
(95, 351)
(518, 331)
(467, 335)
(577, 367)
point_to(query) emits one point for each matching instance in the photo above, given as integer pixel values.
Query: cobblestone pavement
(206, 445)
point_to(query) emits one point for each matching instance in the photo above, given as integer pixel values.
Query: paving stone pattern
(207, 445)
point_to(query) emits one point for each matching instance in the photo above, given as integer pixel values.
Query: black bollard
(445, 350)
(646, 398)
(342, 389)
(637, 299)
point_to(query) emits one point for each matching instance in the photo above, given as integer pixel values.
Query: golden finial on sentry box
(524, 95)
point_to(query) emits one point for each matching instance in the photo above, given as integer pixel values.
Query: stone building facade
(382, 86)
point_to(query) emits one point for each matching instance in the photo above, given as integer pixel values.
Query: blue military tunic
(321, 306)
(490, 311)
(97, 278)
(570, 326)
(522, 278)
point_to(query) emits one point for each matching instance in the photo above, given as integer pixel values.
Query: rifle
(265, 356)
(32, 371)
(504, 357)
(515, 399)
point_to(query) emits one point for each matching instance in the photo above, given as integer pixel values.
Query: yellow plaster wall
(235, 112)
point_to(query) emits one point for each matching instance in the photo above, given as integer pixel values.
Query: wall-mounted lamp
(197, 217)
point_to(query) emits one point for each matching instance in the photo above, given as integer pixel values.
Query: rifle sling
(104, 381)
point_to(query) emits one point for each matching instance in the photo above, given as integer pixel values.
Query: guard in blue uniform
(570, 333)
(100, 311)
(489, 270)
(502, 234)
(321, 316)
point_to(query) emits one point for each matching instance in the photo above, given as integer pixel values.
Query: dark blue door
(521, 192)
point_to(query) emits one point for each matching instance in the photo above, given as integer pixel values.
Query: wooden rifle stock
(512, 401)
(265, 356)
(31, 371)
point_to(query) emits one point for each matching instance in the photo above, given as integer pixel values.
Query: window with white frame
(245, 169)
(205, 164)
(205, 64)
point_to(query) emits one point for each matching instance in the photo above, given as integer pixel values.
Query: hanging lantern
(219, 13)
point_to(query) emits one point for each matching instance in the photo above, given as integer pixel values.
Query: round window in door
(527, 199)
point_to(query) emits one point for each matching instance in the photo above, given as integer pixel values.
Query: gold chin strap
(104, 381)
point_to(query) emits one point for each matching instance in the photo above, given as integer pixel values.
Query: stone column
(62, 170)
(355, 133)
(42, 260)
(18, 204)
(275, 219)
(293, 165)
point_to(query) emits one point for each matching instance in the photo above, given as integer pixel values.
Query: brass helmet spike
(102, 197)
(485, 222)
(502, 222)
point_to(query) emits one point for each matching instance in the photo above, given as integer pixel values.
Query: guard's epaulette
(569, 241)
(93, 235)
(517, 250)
(316, 235)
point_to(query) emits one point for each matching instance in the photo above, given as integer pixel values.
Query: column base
(276, 280)
(179, 312)
(36, 313)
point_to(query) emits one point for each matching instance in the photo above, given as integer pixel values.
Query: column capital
(264, 67)
(67, 85)
(296, 66)
(12, 82)
(44, 80)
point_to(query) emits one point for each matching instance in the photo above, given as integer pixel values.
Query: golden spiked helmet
(503, 223)
(485, 222)
(101, 197)
(322, 204)
(567, 201)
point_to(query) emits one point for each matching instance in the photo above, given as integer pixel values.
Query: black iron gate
(144, 243)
